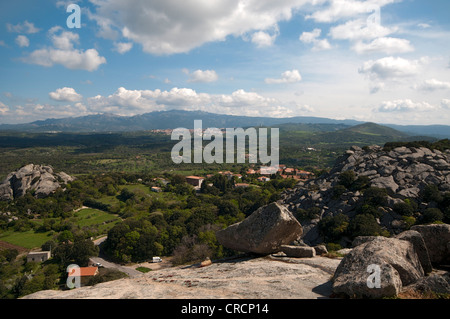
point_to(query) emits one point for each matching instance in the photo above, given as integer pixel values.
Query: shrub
(431, 193)
(432, 215)
(403, 209)
(347, 178)
(375, 197)
(333, 247)
(333, 227)
(308, 214)
(361, 183)
(338, 190)
(409, 221)
(364, 225)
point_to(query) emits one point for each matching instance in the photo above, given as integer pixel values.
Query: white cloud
(312, 37)
(64, 40)
(22, 41)
(263, 39)
(64, 53)
(123, 47)
(3, 108)
(445, 103)
(405, 105)
(200, 76)
(240, 102)
(359, 30)
(391, 68)
(65, 94)
(385, 45)
(424, 25)
(168, 28)
(88, 60)
(24, 27)
(286, 77)
(309, 37)
(340, 9)
(433, 85)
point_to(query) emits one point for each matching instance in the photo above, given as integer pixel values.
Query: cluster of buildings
(283, 171)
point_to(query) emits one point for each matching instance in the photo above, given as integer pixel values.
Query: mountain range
(178, 118)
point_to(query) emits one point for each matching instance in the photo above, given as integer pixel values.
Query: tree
(82, 250)
(65, 236)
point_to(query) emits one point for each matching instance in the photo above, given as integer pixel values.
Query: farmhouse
(38, 256)
(195, 181)
(85, 273)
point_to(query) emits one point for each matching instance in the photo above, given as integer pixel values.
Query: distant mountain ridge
(178, 118)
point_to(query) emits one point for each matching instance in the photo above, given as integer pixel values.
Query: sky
(383, 61)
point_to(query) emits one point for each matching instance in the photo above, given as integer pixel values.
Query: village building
(195, 181)
(38, 256)
(85, 273)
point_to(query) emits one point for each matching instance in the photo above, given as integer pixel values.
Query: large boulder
(437, 239)
(415, 238)
(263, 232)
(38, 178)
(396, 260)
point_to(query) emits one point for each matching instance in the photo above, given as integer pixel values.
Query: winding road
(131, 272)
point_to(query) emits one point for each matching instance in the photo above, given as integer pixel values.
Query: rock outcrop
(397, 262)
(263, 232)
(403, 171)
(403, 262)
(437, 240)
(40, 179)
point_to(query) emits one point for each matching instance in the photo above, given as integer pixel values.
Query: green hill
(377, 130)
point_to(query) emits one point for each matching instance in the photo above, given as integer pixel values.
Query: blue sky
(386, 61)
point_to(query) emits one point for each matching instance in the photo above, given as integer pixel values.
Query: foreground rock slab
(263, 232)
(257, 278)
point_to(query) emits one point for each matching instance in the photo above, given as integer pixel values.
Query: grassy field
(28, 239)
(86, 217)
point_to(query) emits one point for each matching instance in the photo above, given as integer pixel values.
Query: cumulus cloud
(359, 29)
(240, 102)
(168, 28)
(123, 47)
(201, 76)
(24, 27)
(405, 105)
(63, 52)
(391, 68)
(313, 37)
(22, 41)
(286, 77)
(65, 94)
(433, 85)
(385, 45)
(263, 39)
